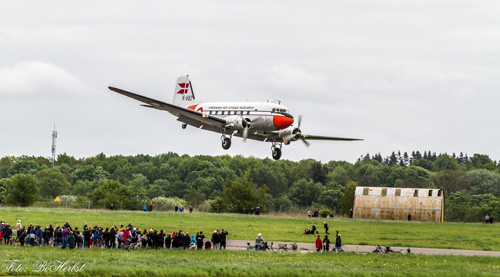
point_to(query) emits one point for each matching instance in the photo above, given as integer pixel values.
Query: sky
(402, 75)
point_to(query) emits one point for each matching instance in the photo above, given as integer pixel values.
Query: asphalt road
(242, 244)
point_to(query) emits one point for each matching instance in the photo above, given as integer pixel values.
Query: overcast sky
(403, 75)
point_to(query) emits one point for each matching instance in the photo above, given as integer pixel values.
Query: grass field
(474, 236)
(148, 262)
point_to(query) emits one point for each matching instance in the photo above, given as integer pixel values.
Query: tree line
(471, 185)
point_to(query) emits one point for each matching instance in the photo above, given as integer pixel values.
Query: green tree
(456, 206)
(448, 180)
(417, 177)
(423, 163)
(482, 181)
(194, 198)
(51, 182)
(331, 199)
(480, 161)
(445, 162)
(304, 192)
(347, 200)
(111, 192)
(282, 204)
(83, 188)
(155, 191)
(241, 193)
(21, 190)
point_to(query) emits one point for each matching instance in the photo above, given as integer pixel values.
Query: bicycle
(285, 248)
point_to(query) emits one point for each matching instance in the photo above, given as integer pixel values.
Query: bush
(324, 213)
(167, 203)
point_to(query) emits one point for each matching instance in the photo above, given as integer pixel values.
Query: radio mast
(54, 136)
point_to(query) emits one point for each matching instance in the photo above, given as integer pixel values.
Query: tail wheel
(226, 143)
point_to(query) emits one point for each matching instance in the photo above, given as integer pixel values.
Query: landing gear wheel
(226, 143)
(276, 153)
(184, 125)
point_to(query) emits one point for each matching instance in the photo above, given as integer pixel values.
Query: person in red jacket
(319, 244)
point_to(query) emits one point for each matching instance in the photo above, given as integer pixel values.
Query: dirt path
(242, 244)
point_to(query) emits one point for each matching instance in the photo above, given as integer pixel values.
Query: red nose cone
(282, 122)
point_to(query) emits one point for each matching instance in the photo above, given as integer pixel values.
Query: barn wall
(396, 203)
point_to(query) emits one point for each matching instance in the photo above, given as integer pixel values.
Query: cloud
(37, 79)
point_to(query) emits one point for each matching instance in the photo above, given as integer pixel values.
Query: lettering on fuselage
(230, 108)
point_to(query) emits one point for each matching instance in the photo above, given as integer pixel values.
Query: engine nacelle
(237, 122)
(290, 134)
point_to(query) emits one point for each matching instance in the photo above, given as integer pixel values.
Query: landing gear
(226, 142)
(276, 150)
(184, 125)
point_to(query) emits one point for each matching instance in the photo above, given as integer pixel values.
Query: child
(208, 245)
(248, 246)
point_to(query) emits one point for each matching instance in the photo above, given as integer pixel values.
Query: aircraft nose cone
(282, 122)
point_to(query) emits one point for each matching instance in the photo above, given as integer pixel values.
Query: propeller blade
(300, 120)
(245, 134)
(308, 144)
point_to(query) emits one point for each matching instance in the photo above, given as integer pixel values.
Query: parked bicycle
(285, 248)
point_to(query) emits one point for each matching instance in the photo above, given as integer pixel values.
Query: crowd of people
(113, 237)
(129, 237)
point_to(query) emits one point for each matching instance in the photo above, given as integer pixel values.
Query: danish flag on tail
(183, 94)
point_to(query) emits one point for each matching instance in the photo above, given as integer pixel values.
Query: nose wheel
(276, 151)
(226, 142)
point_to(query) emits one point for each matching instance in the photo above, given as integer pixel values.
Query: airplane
(262, 121)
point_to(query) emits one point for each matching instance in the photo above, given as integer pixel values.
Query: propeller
(246, 125)
(297, 134)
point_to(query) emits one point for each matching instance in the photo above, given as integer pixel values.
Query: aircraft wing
(188, 115)
(313, 137)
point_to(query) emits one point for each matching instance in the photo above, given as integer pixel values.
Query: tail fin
(183, 94)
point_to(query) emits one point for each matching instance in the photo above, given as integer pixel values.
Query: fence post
(89, 204)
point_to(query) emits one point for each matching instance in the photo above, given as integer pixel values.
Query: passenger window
(365, 191)
(439, 193)
(384, 192)
(416, 193)
(430, 192)
(398, 192)
(222, 113)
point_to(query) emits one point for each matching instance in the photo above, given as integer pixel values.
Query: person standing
(326, 244)
(319, 244)
(168, 241)
(176, 208)
(216, 240)
(71, 240)
(338, 242)
(326, 227)
(199, 240)
(313, 229)
(65, 234)
(223, 235)
(150, 208)
(18, 228)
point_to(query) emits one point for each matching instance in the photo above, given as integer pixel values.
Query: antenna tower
(54, 136)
